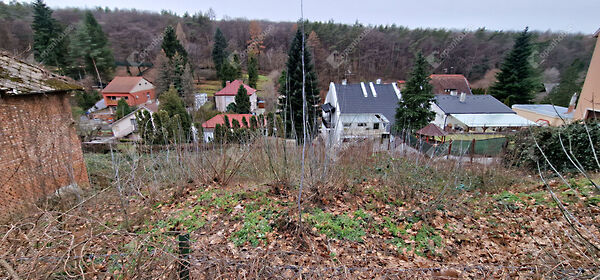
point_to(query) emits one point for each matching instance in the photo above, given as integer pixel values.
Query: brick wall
(39, 149)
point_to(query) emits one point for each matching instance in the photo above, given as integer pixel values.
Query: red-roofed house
(135, 90)
(226, 96)
(453, 84)
(209, 126)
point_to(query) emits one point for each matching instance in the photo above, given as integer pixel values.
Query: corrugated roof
(122, 84)
(231, 89)
(18, 77)
(546, 110)
(441, 82)
(474, 104)
(493, 120)
(352, 100)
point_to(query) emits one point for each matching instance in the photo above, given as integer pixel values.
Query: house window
(376, 125)
(347, 124)
(147, 95)
(126, 98)
(133, 123)
(362, 124)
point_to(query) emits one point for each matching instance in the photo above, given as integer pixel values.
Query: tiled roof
(352, 100)
(219, 119)
(18, 77)
(122, 84)
(432, 130)
(441, 82)
(474, 104)
(231, 88)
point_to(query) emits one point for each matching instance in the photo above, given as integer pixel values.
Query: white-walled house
(126, 127)
(361, 110)
(226, 96)
(477, 113)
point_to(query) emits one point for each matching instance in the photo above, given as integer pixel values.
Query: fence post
(449, 148)
(184, 256)
(472, 149)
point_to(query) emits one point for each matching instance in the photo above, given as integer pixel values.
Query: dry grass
(126, 226)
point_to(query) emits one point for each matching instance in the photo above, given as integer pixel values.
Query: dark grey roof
(474, 104)
(352, 100)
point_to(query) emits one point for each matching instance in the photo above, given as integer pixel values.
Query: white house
(479, 113)
(362, 110)
(126, 127)
(226, 96)
(200, 99)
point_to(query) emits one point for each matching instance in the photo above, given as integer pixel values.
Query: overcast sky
(563, 15)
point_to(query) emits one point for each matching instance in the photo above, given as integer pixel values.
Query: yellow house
(588, 106)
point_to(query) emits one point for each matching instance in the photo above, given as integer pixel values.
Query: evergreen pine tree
(237, 65)
(90, 48)
(570, 83)
(253, 123)
(219, 52)
(252, 71)
(413, 111)
(48, 46)
(231, 108)
(235, 124)
(230, 71)
(242, 101)
(171, 45)
(226, 122)
(165, 71)
(171, 103)
(291, 105)
(517, 81)
(123, 108)
(181, 75)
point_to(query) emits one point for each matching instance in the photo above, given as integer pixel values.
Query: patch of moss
(4, 74)
(60, 85)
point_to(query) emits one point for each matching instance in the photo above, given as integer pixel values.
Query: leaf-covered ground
(387, 219)
(505, 234)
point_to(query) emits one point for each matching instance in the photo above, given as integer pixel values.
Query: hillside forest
(366, 52)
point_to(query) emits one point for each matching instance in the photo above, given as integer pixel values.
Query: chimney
(378, 81)
(572, 103)
(227, 83)
(463, 97)
(344, 82)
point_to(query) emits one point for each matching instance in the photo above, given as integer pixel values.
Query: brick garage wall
(40, 151)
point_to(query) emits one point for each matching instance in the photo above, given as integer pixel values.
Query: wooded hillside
(384, 52)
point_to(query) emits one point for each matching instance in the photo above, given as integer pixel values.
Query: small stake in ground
(184, 256)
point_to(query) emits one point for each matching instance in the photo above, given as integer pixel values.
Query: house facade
(209, 126)
(453, 84)
(126, 127)
(135, 90)
(588, 106)
(226, 96)
(475, 113)
(362, 110)
(40, 151)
